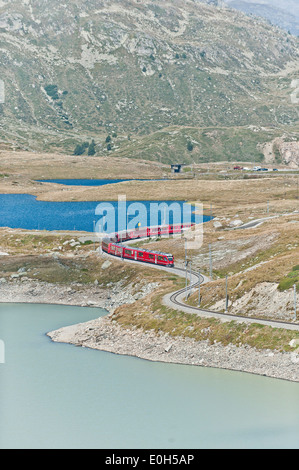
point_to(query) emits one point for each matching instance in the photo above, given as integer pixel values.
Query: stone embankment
(105, 334)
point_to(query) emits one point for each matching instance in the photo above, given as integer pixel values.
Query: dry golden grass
(34, 252)
(19, 170)
(51, 165)
(271, 264)
(150, 315)
(246, 196)
(272, 249)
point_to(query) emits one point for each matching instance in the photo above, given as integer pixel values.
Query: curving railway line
(177, 299)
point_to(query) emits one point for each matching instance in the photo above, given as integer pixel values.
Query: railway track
(176, 299)
(175, 295)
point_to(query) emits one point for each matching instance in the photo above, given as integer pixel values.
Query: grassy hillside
(199, 145)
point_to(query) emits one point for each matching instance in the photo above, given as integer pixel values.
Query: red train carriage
(151, 231)
(114, 246)
(147, 256)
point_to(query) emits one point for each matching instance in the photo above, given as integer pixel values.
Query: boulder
(106, 264)
(236, 223)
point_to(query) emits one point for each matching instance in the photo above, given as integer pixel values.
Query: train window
(151, 256)
(129, 252)
(140, 254)
(161, 258)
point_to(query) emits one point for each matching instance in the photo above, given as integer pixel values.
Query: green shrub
(285, 284)
(79, 150)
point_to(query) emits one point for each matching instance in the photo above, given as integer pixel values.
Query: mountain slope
(75, 71)
(284, 14)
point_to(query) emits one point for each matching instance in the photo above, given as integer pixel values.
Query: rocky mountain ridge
(79, 71)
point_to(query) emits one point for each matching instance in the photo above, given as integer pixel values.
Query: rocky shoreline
(24, 290)
(106, 334)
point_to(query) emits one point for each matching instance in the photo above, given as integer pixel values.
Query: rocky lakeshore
(106, 335)
(24, 290)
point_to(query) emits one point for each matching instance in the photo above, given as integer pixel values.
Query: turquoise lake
(57, 395)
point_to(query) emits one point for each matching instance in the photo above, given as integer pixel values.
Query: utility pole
(295, 303)
(185, 251)
(210, 255)
(199, 288)
(186, 264)
(226, 296)
(186, 279)
(190, 279)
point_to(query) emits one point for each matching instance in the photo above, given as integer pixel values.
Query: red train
(155, 231)
(137, 254)
(113, 245)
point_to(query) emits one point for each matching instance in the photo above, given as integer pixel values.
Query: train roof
(143, 249)
(108, 240)
(187, 224)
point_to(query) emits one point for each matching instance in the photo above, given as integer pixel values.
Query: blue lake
(84, 182)
(25, 211)
(91, 182)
